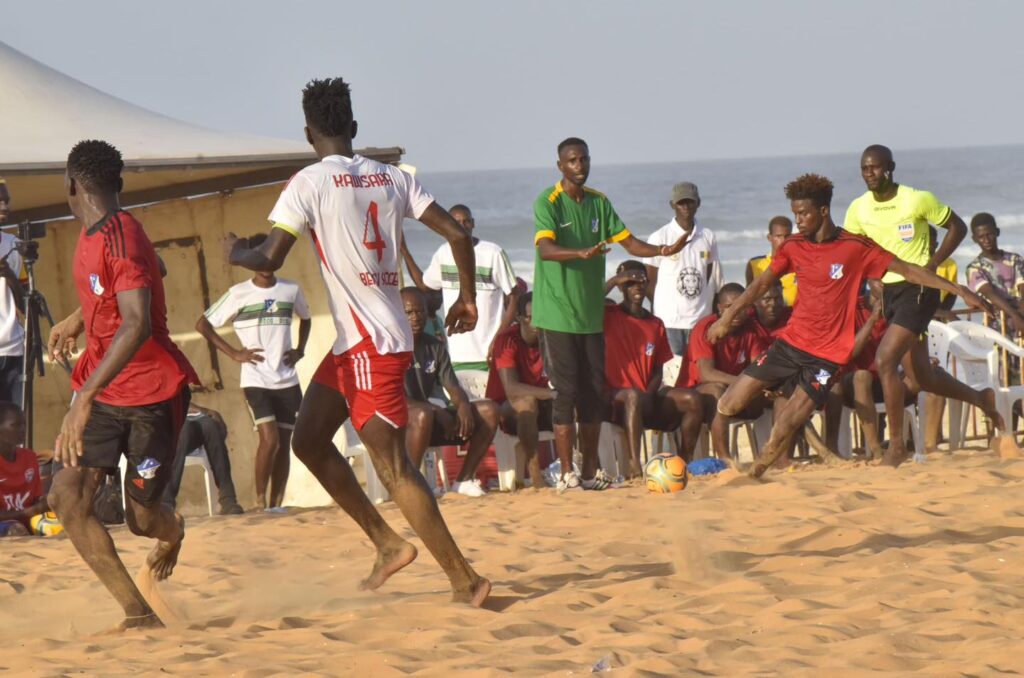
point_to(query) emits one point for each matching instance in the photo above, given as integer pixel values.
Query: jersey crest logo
(906, 232)
(742, 357)
(822, 377)
(649, 349)
(94, 284)
(595, 225)
(269, 305)
(29, 475)
(430, 367)
(147, 469)
(836, 272)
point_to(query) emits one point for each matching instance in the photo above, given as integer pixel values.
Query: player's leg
(627, 401)
(934, 408)
(919, 370)
(676, 403)
(591, 406)
(524, 415)
(863, 386)
(419, 431)
(718, 424)
(189, 439)
(789, 422)
(211, 437)
(561, 363)
(485, 425)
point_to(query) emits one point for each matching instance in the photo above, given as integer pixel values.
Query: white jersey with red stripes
(353, 209)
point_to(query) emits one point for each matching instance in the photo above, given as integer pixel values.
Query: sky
(488, 85)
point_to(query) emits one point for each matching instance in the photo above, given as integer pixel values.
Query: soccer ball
(46, 524)
(665, 473)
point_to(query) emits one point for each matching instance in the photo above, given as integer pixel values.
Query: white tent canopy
(46, 112)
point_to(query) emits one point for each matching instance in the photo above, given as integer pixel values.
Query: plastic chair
(196, 457)
(749, 426)
(433, 464)
(983, 337)
(505, 452)
(970, 361)
(375, 489)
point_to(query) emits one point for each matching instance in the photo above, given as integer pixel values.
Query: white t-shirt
(353, 209)
(12, 335)
(262, 317)
(494, 281)
(684, 293)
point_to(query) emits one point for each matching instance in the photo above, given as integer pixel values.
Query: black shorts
(575, 367)
(783, 365)
(438, 435)
(274, 404)
(148, 437)
(910, 306)
(544, 416)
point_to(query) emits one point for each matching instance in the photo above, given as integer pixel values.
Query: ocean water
(738, 198)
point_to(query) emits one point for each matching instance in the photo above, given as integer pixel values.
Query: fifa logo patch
(94, 284)
(836, 272)
(595, 225)
(147, 469)
(906, 232)
(649, 349)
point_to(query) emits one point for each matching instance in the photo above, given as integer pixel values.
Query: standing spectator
(638, 348)
(495, 293)
(996, 274)
(261, 310)
(779, 228)
(21, 485)
(518, 384)
(205, 428)
(458, 421)
(574, 225)
(683, 285)
(712, 368)
(12, 335)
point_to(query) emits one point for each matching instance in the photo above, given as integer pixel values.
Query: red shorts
(373, 384)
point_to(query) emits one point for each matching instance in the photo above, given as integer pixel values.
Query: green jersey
(899, 225)
(568, 296)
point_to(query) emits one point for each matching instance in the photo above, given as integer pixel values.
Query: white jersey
(262, 317)
(685, 293)
(494, 281)
(353, 209)
(12, 335)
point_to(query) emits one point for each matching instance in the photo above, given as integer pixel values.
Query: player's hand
(462, 317)
(292, 357)
(68, 447)
(62, 343)
(628, 276)
(974, 301)
(248, 355)
(718, 330)
(231, 242)
(595, 251)
(547, 394)
(464, 421)
(5, 268)
(678, 245)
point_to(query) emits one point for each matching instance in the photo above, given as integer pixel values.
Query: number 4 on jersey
(377, 243)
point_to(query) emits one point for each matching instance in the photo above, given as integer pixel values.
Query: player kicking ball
(353, 207)
(832, 266)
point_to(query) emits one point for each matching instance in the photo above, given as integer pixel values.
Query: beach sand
(855, 570)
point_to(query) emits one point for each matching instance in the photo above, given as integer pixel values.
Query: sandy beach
(856, 570)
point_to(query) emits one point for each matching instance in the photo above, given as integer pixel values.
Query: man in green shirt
(897, 218)
(574, 226)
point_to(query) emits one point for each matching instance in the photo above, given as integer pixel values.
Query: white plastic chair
(375, 489)
(196, 457)
(984, 337)
(969, 362)
(505, 452)
(749, 426)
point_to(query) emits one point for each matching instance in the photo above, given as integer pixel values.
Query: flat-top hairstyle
(813, 187)
(96, 165)
(983, 219)
(521, 303)
(571, 141)
(328, 106)
(781, 221)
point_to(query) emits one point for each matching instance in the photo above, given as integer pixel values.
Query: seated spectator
(21, 485)
(205, 428)
(858, 384)
(779, 228)
(771, 312)
(636, 348)
(711, 368)
(454, 422)
(518, 384)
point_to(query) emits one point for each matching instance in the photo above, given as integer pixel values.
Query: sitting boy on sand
(21, 485)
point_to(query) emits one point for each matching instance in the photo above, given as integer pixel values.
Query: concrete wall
(188, 235)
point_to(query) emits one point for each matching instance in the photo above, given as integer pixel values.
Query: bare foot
(988, 406)
(148, 621)
(164, 555)
(758, 470)
(476, 595)
(894, 456)
(388, 562)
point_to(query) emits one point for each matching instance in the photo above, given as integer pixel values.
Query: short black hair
(571, 141)
(632, 265)
(735, 288)
(328, 106)
(460, 208)
(96, 165)
(780, 221)
(434, 301)
(813, 187)
(410, 289)
(524, 299)
(983, 219)
(9, 409)
(878, 149)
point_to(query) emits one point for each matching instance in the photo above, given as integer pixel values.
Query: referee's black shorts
(910, 306)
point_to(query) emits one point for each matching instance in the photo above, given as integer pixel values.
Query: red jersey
(633, 348)
(831, 276)
(113, 256)
(732, 354)
(771, 333)
(20, 484)
(511, 352)
(866, 359)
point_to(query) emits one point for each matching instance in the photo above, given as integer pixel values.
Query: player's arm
(517, 389)
(709, 374)
(297, 353)
(39, 506)
(920, 275)
(639, 248)
(462, 316)
(749, 274)
(415, 272)
(654, 383)
(240, 355)
(619, 278)
(133, 306)
(13, 283)
(1001, 302)
(465, 422)
(956, 231)
(753, 292)
(863, 335)
(549, 250)
(268, 257)
(652, 281)
(62, 342)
